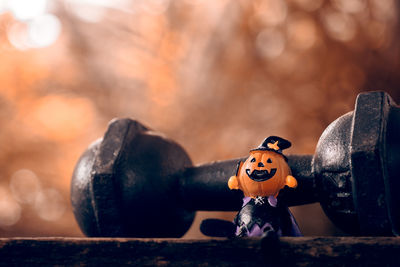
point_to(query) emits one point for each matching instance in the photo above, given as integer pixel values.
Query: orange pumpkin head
(265, 172)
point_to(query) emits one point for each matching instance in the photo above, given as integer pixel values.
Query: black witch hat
(274, 143)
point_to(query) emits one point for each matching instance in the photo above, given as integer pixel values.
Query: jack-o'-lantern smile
(260, 175)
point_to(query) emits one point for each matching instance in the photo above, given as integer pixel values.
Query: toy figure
(264, 173)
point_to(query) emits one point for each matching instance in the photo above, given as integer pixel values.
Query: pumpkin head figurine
(264, 173)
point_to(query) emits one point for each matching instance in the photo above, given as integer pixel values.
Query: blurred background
(215, 76)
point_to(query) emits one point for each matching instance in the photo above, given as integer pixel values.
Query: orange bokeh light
(58, 117)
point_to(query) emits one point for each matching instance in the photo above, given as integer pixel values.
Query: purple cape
(257, 216)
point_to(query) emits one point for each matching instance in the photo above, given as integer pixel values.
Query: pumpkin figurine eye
(253, 160)
(269, 161)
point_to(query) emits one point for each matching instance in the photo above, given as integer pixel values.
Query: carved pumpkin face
(263, 174)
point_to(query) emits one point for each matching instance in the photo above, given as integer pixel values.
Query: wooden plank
(300, 251)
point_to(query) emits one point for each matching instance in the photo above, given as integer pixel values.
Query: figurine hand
(233, 183)
(291, 181)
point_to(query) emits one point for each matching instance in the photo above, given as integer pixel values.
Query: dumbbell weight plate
(356, 167)
(124, 184)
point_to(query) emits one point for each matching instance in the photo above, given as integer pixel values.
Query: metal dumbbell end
(357, 167)
(124, 184)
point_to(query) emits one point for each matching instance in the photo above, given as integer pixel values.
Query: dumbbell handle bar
(205, 187)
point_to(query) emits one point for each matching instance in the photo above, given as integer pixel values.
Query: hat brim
(270, 149)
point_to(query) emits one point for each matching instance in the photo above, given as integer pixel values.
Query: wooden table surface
(294, 251)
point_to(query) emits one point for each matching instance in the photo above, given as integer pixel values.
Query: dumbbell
(134, 182)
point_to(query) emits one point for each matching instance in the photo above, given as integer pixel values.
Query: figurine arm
(291, 181)
(233, 182)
